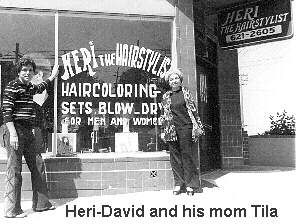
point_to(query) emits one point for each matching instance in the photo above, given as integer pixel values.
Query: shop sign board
(253, 23)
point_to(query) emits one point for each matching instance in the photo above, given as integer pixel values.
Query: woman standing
(181, 126)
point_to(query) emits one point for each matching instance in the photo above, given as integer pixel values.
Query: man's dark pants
(182, 159)
(27, 147)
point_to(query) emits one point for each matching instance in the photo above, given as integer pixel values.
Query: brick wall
(272, 150)
(79, 177)
(230, 116)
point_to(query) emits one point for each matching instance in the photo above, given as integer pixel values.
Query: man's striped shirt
(18, 104)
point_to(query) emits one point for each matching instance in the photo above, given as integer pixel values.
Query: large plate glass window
(110, 90)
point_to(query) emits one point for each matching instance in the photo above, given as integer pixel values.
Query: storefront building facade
(99, 123)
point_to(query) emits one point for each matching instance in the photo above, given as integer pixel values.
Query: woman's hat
(173, 71)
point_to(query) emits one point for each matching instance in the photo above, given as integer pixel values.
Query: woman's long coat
(168, 127)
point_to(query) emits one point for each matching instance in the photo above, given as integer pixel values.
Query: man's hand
(54, 72)
(13, 137)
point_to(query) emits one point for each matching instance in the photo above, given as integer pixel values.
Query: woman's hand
(196, 134)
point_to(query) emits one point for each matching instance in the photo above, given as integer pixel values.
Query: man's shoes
(189, 191)
(52, 207)
(20, 214)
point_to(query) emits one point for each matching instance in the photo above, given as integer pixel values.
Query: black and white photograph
(136, 111)
(66, 144)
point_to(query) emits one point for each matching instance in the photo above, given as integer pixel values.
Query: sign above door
(253, 23)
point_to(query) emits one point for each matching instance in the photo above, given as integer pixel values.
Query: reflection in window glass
(30, 35)
(110, 89)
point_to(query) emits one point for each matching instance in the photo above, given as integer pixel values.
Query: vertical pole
(174, 56)
(56, 60)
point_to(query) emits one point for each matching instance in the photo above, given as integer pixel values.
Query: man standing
(17, 134)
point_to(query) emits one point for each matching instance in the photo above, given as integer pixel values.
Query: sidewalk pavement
(252, 195)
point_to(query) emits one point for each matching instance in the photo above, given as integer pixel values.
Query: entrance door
(209, 112)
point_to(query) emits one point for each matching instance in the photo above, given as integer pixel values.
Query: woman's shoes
(50, 207)
(177, 190)
(189, 191)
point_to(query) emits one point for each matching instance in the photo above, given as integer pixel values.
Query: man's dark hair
(25, 61)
